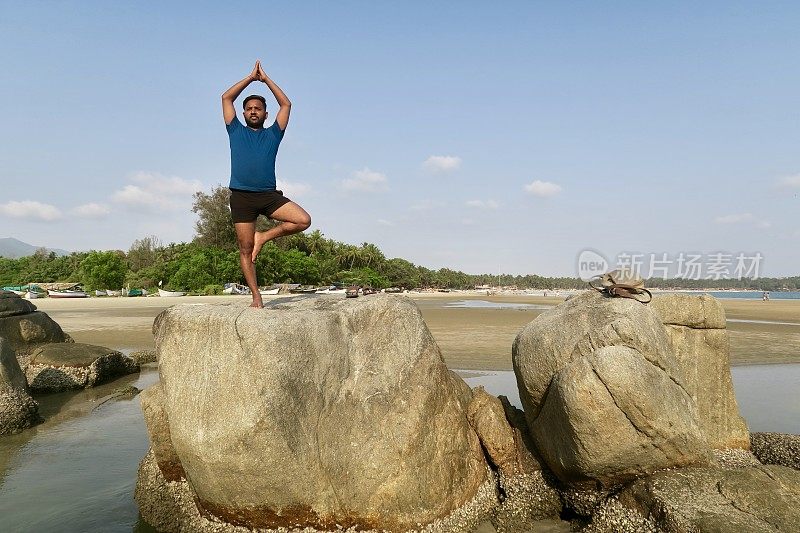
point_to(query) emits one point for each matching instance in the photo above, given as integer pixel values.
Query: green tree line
(212, 259)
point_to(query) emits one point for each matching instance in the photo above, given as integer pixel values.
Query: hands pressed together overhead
(258, 73)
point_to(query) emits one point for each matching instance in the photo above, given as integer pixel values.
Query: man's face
(254, 113)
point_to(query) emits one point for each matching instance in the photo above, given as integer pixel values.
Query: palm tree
(371, 255)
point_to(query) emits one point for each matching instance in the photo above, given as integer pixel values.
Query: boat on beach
(351, 292)
(303, 289)
(101, 293)
(333, 289)
(18, 290)
(66, 294)
(170, 294)
(269, 292)
(134, 292)
(113, 293)
(235, 288)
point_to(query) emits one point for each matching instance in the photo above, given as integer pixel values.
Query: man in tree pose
(253, 190)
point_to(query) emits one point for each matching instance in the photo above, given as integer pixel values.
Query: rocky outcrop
(155, 418)
(24, 328)
(312, 412)
(527, 493)
(777, 449)
(11, 304)
(142, 357)
(67, 366)
(697, 333)
(604, 397)
(752, 499)
(18, 410)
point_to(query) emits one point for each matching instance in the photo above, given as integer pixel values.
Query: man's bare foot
(258, 244)
(258, 304)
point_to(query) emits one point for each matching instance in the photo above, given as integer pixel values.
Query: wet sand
(470, 338)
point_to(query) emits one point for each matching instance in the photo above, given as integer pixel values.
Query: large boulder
(18, 410)
(12, 304)
(315, 412)
(697, 333)
(603, 394)
(65, 366)
(743, 500)
(25, 328)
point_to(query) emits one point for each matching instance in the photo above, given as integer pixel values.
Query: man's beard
(255, 123)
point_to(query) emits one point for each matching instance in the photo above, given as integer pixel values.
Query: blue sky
(467, 135)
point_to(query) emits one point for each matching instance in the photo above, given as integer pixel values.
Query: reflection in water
(77, 471)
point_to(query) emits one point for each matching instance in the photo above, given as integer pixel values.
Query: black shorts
(247, 205)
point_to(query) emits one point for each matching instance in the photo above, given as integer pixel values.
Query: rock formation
(313, 412)
(65, 366)
(18, 410)
(697, 333)
(25, 328)
(604, 396)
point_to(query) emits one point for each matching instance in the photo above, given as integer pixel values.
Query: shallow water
(485, 304)
(772, 322)
(77, 471)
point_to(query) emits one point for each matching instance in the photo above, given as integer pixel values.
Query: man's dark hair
(254, 97)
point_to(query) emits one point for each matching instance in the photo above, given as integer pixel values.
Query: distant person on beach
(253, 182)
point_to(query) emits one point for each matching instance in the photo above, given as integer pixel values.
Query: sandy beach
(471, 338)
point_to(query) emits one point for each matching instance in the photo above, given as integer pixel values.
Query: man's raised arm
(282, 118)
(229, 96)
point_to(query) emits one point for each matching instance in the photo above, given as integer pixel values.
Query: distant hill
(13, 248)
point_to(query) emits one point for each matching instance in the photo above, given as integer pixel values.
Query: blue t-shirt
(253, 155)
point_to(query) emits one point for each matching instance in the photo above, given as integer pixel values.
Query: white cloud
(293, 190)
(748, 218)
(483, 204)
(365, 180)
(157, 192)
(442, 163)
(543, 189)
(384, 222)
(30, 210)
(792, 182)
(91, 210)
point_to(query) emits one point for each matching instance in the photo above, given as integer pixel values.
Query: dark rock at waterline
(170, 506)
(18, 410)
(66, 366)
(315, 412)
(752, 499)
(526, 492)
(777, 449)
